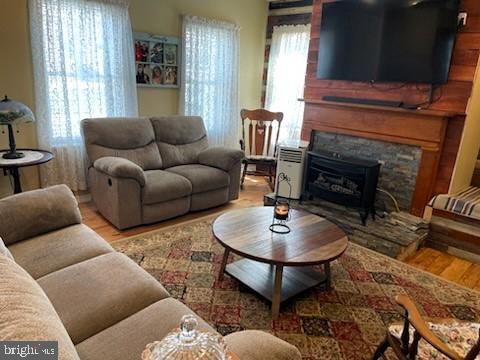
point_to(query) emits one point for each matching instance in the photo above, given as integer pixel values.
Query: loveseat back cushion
(37, 212)
(26, 312)
(129, 138)
(180, 139)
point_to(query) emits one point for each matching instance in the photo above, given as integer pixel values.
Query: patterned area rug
(346, 322)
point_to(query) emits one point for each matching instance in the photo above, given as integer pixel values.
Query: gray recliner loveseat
(144, 170)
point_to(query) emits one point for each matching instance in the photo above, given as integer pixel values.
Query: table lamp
(13, 113)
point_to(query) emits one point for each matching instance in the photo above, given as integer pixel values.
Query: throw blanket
(466, 202)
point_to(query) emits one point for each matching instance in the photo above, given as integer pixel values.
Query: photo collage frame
(157, 60)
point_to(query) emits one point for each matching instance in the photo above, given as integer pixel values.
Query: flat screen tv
(407, 41)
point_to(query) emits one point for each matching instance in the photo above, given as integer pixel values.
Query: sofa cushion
(180, 139)
(26, 313)
(133, 139)
(36, 212)
(163, 186)
(96, 294)
(203, 178)
(44, 254)
(128, 338)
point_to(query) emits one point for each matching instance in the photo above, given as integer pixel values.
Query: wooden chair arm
(421, 326)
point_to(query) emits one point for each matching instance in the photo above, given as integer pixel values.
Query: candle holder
(281, 208)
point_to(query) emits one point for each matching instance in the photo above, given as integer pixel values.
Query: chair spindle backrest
(260, 128)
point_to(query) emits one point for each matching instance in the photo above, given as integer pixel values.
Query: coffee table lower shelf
(260, 277)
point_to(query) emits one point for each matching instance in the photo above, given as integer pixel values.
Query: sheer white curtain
(210, 77)
(287, 68)
(83, 67)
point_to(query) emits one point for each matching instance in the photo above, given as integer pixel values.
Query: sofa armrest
(37, 212)
(221, 157)
(120, 168)
(259, 345)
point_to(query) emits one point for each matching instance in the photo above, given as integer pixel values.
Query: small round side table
(32, 157)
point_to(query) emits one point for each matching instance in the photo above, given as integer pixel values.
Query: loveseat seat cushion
(163, 186)
(203, 178)
(26, 313)
(95, 294)
(128, 338)
(44, 254)
(132, 139)
(179, 139)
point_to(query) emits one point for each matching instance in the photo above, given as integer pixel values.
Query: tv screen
(387, 41)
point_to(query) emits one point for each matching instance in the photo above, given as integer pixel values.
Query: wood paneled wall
(451, 98)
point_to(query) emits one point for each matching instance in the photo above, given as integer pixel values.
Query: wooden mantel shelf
(412, 112)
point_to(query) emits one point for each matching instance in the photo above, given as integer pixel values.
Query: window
(210, 77)
(286, 77)
(83, 67)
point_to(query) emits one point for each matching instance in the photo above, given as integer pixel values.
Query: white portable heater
(291, 162)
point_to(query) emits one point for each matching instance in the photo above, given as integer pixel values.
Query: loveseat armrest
(120, 168)
(221, 157)
(259, 345)
(37, 212)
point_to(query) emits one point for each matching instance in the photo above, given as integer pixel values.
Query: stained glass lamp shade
(13, 113)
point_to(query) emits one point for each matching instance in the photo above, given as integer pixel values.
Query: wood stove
(343, 180)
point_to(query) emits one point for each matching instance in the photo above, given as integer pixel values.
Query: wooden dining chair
(417, 339)
(257, 142)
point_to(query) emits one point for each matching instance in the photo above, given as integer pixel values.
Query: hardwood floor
(447, 266)
(444, 265)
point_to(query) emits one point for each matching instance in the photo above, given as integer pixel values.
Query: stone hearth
(380, 235)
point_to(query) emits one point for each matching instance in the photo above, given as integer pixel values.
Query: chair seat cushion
(203, 178)
(459, 336)
(163, 186)
(128, 338)
(44, 254)
(98, 293)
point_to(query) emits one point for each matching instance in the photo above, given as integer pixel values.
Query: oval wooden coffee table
(278, 266)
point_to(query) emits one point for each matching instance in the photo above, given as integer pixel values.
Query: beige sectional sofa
(144, 170)
(67, 284)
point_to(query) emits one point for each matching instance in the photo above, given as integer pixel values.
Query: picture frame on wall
(157, 60)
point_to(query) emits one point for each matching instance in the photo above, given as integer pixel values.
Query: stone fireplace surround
(400, 163)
